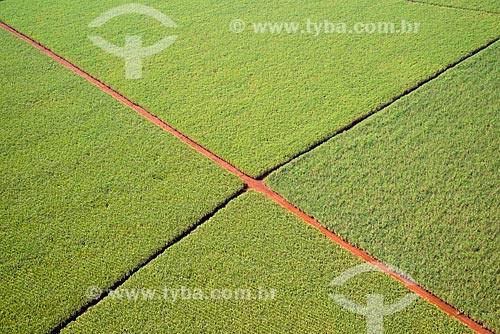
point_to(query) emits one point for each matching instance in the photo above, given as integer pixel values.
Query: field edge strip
(453, 7)
(258, 185)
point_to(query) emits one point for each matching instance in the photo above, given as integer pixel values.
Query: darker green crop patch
(417, 185)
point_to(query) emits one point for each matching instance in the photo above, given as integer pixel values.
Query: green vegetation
(417, 185)
(89, 189)
(249, 244)
(486, 5)
(257, 99)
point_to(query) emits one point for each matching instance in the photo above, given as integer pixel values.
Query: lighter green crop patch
(258, 99)
(287, 266)
(89, 189)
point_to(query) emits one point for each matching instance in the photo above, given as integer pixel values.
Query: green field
(89, 189)
(253, 242)
(390, 140)
(485, 5)
(417, 185)
(259, 99)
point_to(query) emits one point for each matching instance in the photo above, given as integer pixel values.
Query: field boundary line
(381, 107)
(453, 7)
(254, 184)
(154, 119)
(149, 259)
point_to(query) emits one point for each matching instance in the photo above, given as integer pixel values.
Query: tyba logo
(133, 52)
(375, 308)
